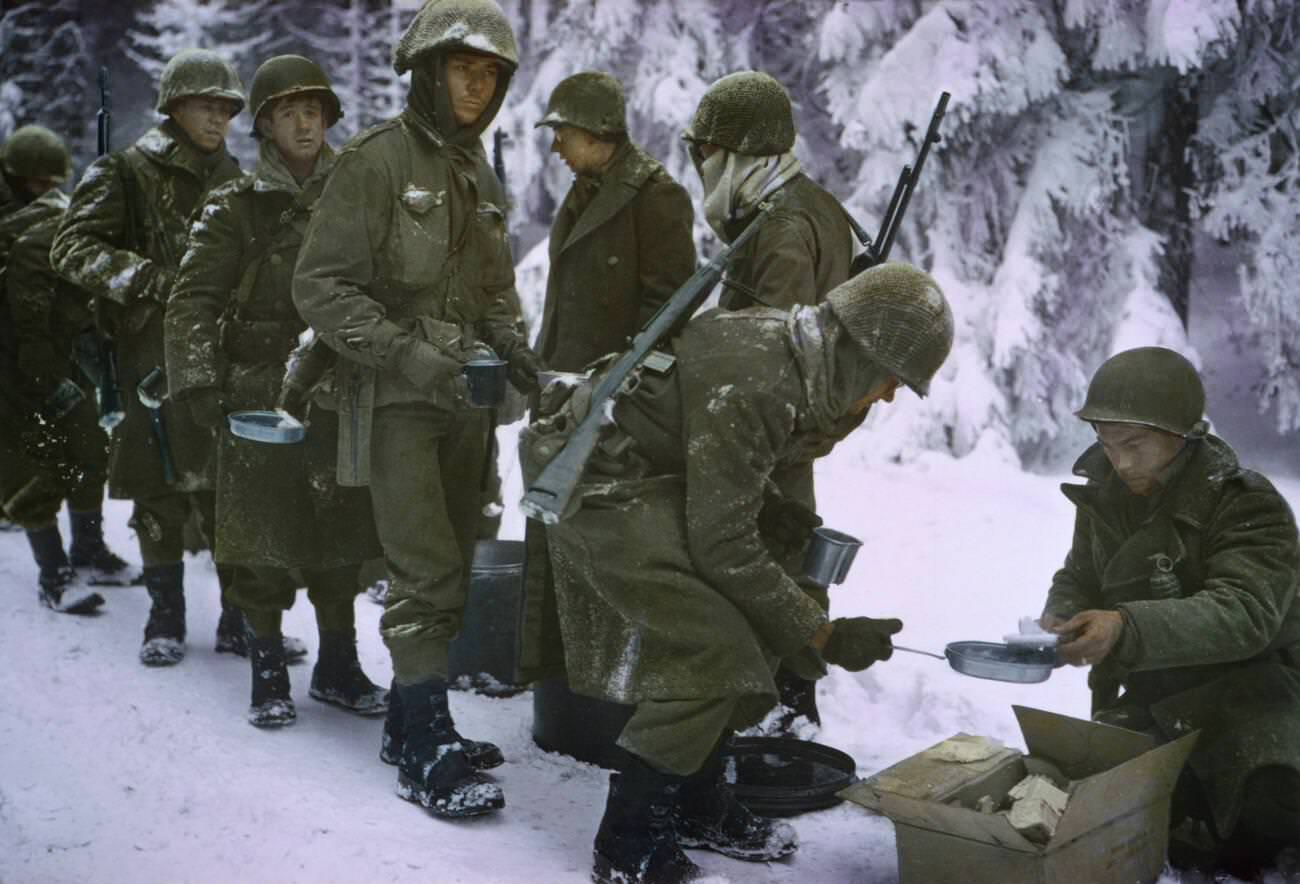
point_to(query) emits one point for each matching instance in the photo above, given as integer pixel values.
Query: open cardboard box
(1114, 829)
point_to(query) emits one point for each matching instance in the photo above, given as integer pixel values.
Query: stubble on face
(1138, 454)
(471, 84)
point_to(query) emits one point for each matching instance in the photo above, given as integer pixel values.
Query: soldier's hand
(786, 524)
(1092, 635)
(1050, 622)
(524, 367)
(429, 368)
(855, 643)
(205, 408)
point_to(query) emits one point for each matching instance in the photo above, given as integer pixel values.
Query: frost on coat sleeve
(732, 440)
(209, 274)
(667, 249)
(89, 246)
(31, 288)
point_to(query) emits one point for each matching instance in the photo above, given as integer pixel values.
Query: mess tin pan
(997, 662)
(271, 427)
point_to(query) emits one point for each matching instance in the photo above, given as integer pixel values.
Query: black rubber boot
(164, 633)
(635, 843)
(272, 705)
(232, 636)
(92, 558)
(57, 581)
(337, 678)
(433, 770)
(709, 817)
(481, 754)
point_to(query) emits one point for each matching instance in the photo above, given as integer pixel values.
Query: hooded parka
(1205, 576)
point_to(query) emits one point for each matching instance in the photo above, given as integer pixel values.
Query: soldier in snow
(1180, 592)
(687, 623)
(406, 272)
(742, 143)
(53, 448)
(230, 328)
(121, 240)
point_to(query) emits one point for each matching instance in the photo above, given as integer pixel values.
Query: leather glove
(524, 366)
(430, 369)
(205, 408)
(786, 524)
(857, 642)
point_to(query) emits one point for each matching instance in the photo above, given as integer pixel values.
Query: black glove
(857, 642)
(205, 408)
(786, 524)
(524, 366)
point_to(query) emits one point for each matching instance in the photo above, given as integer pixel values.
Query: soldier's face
(205, 120)
(582, 152)
(1138, 454)
(296, 125)
(471, 83)
(882, 392)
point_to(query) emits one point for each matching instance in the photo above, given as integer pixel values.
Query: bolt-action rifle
(96, 353)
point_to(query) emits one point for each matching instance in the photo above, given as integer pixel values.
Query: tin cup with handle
(487, 381)
(829, 556)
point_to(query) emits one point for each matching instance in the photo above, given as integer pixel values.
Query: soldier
(405, 269)
(742, 143)
(1180, 590)
(688, 622)
(230, 327)
(54, 449)
(121, 240)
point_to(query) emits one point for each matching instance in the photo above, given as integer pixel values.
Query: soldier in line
(53, 448)
(406, 272)
(121, 240)
(687, 623)
(1179, 590)
(230, 328)
(742, 143)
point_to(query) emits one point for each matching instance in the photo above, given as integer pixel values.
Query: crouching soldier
(688, 623)
(121, 240)
(55, 450)
(230, 327)
(406, 272)
(1180, 592)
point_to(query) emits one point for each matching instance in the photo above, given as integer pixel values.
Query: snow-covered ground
(113, 772)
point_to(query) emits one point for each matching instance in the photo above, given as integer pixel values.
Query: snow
(113, 772)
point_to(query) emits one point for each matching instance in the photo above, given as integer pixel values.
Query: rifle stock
(107, 393)
(549, 496)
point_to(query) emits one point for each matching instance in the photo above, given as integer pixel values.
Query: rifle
(877, 250)
(151, 392)
(549, 496)
(101, 350)
(499, 155)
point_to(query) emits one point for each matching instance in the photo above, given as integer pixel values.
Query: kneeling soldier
(231, 325)
(1180, 592)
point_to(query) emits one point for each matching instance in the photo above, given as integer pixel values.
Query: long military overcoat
(1206, 582)
(122, 240)
(616, 256)
(230, 326)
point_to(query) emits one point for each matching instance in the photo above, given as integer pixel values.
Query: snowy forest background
(1111, 170)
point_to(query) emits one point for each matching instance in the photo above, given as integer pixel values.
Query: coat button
(613, 259)
(276, 260)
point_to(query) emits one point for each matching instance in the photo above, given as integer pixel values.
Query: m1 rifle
(548, 497)
(98, 356)
(877, 251)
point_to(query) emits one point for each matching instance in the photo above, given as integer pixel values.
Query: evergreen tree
(45, 77)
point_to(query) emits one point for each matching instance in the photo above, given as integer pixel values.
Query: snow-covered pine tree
(45, 77)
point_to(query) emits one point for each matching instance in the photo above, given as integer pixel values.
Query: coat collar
(271, 174)
(628, 170)
(165, 146)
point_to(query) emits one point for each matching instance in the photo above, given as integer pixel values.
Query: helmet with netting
(1147, 386)
(900, 317)
(36, 152)
(199, 73)
(286, 75)
(592, 101)
(457, 25)
(747, 112)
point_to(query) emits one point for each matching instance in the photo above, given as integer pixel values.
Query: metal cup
(487, 382)
(829, 556)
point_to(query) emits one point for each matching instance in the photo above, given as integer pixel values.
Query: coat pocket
(421, 237)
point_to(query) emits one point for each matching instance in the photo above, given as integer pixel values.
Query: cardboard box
(1114, 829)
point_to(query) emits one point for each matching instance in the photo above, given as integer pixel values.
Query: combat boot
(433, 770)
(710, 817)
(272, 705)
(58, 590)
(481, 754)
(635, 843)
(232, 636)
(92, 558)
(164, 633)
(338, 679)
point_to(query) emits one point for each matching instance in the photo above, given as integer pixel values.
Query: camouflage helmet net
(1148, 386)
(201, 73)
(36, 152)
(748, 113)
(286, 75)
(471, 25)
(899, 315)
(591, 100)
